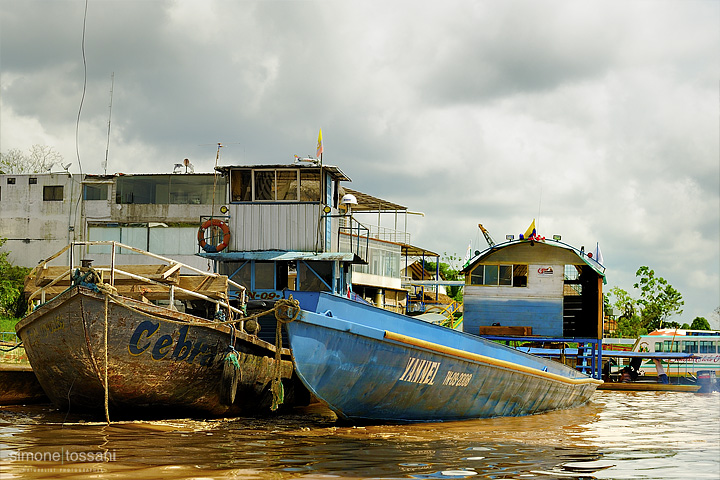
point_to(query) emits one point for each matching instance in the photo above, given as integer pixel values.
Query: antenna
(217, 158)
(537, 226)
(107, 147)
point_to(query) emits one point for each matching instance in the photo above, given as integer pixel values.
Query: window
(53, 193)
(11, 181)
(707, 347)
(32, 181)
(520, 274)
(265, 185)
(241, 185)
(238, 272)
(503, 275)
(314, 276)
(658, 346)
(264, 276)
(162, 240)
(169, 189)
(275, 185)
(95, 192)
(287, 184)
(477, 276)
(690, 347)
(310, 186)
(670, 346)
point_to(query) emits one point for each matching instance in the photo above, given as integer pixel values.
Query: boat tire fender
(208, 247)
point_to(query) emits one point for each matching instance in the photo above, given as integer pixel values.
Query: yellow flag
(530, 231)
(319, 145)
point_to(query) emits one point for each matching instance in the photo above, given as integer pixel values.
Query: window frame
(52, 197)
(501, 273)
(309, 178)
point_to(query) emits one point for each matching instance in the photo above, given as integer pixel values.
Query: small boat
(114, 339)
(366, 363)
(675, 357)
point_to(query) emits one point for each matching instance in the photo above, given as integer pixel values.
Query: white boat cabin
(294, 226)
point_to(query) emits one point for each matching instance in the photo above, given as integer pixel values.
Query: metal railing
(357, 233)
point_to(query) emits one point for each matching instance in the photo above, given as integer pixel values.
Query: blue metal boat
(366, 363)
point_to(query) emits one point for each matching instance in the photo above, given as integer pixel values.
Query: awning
(284, 256)
(368, 203)
(408, 250)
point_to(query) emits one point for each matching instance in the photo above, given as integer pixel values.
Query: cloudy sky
(597, 118)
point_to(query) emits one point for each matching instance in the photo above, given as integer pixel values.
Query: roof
(369, 203)
(408, 250)
(335, 171)
(570, 252)
(281, 255)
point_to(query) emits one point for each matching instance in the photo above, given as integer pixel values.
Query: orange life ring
(208, 247)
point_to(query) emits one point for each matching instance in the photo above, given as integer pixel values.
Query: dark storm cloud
(599, 119)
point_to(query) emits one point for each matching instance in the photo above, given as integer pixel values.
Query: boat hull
(369, 364)
(159, 361)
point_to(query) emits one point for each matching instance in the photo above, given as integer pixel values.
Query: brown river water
(618, 435)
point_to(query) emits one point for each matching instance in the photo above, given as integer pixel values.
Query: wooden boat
(366, 363)
(116, 346)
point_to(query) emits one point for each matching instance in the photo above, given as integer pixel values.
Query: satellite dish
(348, 199)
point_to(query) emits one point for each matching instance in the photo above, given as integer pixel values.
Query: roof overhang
(333, 170)
(368, 203)
(579, 254)
(284, 256)
(408, 250)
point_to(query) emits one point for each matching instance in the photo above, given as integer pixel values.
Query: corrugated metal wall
(275, 227)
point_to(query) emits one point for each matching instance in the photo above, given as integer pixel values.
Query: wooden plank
(158, 273)
(213, 287)
(517, 331)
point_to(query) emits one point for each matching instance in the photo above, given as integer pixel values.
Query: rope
(118, 299)
(107, 392)
(286, 311)
(12, 348)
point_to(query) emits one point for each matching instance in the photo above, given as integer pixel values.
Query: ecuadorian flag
(530, 231)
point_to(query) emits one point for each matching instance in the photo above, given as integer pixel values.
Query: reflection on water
(618, 435)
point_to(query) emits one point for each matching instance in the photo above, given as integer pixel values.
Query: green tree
(39, 159)
(12, 279)
(700, 323)
(449, 270)
(658, 299)
(629, 324)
